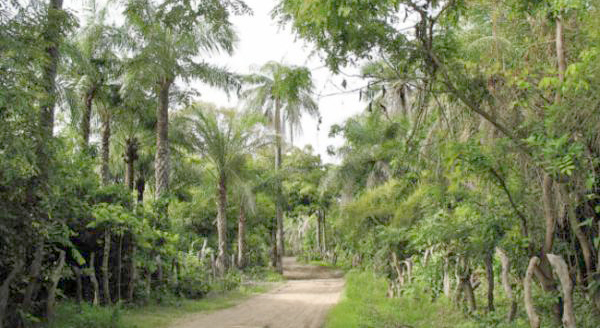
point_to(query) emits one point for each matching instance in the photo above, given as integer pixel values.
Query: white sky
(262, 40)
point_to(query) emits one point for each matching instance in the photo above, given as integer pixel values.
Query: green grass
(365, 304)
(158, 316)
(72, 315)
(321, 263)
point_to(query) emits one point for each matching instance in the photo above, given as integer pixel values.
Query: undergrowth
(365, 304)
(162, 308)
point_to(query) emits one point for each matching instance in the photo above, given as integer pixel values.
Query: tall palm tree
(282, 93)
(225, 139)
(166, 40)
(92, 58)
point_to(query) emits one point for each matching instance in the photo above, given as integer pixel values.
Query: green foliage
(364, 304)
(72, 315)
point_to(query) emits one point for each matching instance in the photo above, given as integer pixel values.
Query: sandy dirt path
(302, 302)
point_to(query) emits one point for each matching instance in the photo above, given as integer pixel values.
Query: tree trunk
(34, 276)
(52, 39)
(398, 268)
(409, 269)
(446, 279)
(79, 282)
(159, 270)
(324, 233)
(132, 272)
(175, 271)
(87, 116)
(105, 269)
(119, 267)
(105, 148)
(162, 140)
(93, 279)
(504, 276)
(560, 54)
(141, 187)
(469, 293)
(54, 279)
(459, 286)
(274, 244)
(534, 319)
(5, 289)
(279, 196)
(319, 236)
(549, 213)
(489, 269)
(148, 279)
(242, 237)
(562, 271)
(222, 226)
(130, 157)
(584, 243)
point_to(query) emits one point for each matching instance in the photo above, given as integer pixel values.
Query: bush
(192, 286)
(230, 281)
(365, 305)
(72, 315)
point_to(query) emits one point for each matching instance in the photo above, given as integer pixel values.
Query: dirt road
(302, 302)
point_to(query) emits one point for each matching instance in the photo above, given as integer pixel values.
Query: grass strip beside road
(161, 316)
(364, 304)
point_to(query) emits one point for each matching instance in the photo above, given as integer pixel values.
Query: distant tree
(225, 139)
(282, 93)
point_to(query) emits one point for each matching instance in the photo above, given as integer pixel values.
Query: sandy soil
(302, 302)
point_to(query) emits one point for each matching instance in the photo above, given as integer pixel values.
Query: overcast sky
(261, 40)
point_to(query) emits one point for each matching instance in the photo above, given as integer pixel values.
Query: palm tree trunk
(119, 267)
(129, 175)
(130, 158)
(162, 140)
(105, 271)
(105, 148)
(87, 116)
(278, 205)
(319, 237)
(273, 233)
(324, 233)
(140, 184)
(241, 237)
(222, 226)
(132, 271)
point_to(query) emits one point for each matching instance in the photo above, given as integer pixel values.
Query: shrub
(72, 315)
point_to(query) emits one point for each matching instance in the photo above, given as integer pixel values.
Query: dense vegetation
(471, 176)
